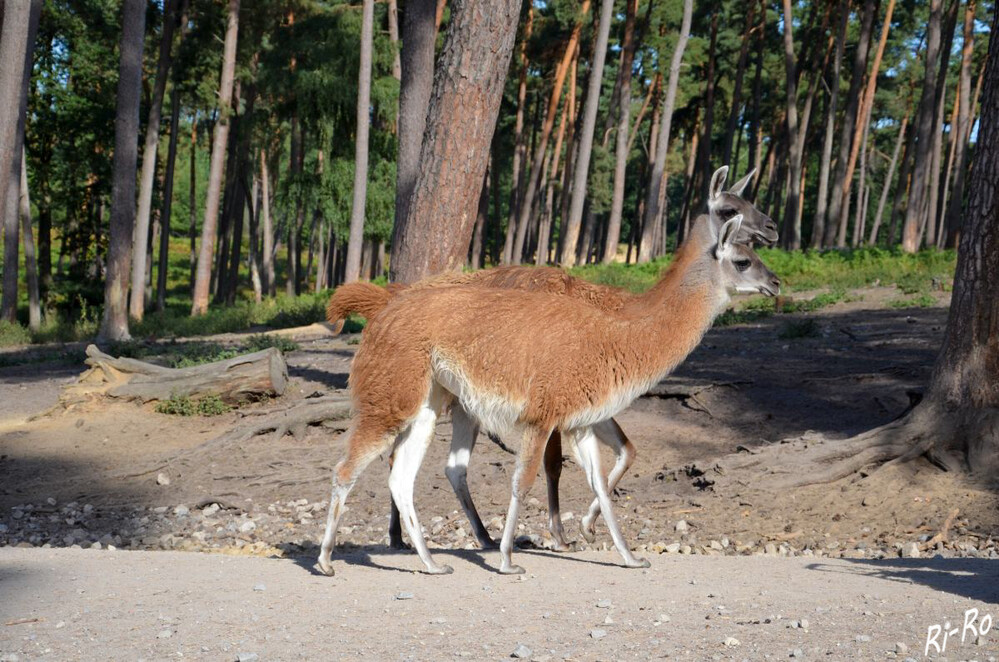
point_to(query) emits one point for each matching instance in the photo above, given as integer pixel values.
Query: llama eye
(726, 214)
(741, 265)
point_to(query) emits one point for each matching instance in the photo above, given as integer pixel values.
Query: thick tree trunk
(20, 25)
(247, 377)
(965, 378)
(209, 227)
(964, 118)
(918, 192)
(657, 178)
(355, 242)
(137, 301)
(419, 34)
(622, 139)
(114, 325)
(835, 231)
(468, 89)
(168, 178)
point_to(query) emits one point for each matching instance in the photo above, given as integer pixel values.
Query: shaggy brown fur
(527, 361)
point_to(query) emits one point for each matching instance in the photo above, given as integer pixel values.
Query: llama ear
(726, 237)
(741, 185)
(717, 182)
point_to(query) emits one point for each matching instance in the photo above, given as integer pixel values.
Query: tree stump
(238, 379)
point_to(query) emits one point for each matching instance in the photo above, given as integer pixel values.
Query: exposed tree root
(928, 430)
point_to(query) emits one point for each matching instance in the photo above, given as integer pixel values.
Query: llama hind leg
(410, 448)
(611, 434)
(553, 473)
(363, 445)
(528, 462)
(463, 438)
(395, 524)
(588, 453)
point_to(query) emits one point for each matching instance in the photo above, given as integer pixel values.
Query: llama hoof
(440, 570)
(588, 531)
(563, 546)
(638, 563)
(398, 544)
(512, 570)
(488, 544)
(326, 567)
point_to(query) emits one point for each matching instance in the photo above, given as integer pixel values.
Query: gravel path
(76, 604)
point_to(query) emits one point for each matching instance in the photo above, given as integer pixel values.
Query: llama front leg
(588, 454)
(410, 448)
(611, 435)
(465, 432)
(553, 472)
(528, 462)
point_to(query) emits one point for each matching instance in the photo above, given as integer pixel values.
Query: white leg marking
(463, 438)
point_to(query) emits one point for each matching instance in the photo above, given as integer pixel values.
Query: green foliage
(13, 334)
(921, 301)
(261, 341)
(181, 405)
(858, 267)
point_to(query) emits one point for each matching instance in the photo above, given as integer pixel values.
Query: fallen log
(238, 379)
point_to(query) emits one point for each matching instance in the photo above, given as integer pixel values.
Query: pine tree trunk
(419, 34)
(519, 145)
(886, 186)
(30, 260)
(964, 118)
(733, 113)
(393, 30)
(754, 123)
(270, 278)
(137, 301)
(792, 239)
(468, 89)
(924, 135)
(657, 178)
(622, 139)
(819, 225)
(168, 178)
(835, 230)
(20, 24)
(537, 160)
(704, 165)
(210, 224)
(114, 325)
(355, 242)
(192, 199)
(933, 210)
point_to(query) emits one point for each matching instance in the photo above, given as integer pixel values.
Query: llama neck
(671, 318)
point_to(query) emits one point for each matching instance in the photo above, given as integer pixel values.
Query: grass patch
(261, 341)
(13, 334)
(921, 301)
(181, 405)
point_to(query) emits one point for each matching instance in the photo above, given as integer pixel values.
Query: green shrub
(922, 301)
(181, 405)
(13, 334)
(260, 341)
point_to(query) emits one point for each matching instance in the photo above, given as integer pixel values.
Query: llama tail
(362, 298)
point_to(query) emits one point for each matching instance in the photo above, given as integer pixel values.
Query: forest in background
(859, 116)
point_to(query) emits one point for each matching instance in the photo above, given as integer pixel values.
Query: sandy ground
(87, 605)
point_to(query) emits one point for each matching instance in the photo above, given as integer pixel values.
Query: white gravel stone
(521, 652)
(910, 550)
(681, 526)
(731, 642)
(597, 633)
(162, 479)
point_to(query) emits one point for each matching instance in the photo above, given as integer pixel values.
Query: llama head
(741, 268)
(724, 205)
